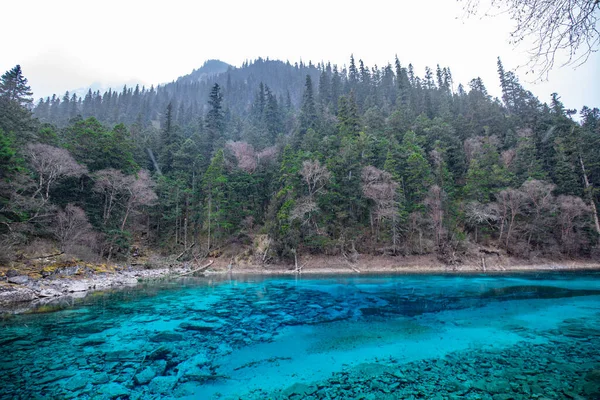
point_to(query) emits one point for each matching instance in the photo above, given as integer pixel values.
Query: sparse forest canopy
(302, 158)
(557, 28)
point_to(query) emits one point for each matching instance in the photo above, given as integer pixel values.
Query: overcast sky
(68, 44)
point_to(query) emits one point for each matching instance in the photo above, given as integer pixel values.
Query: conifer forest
(312, 158)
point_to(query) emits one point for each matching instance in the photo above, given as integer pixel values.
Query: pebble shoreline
(23, 293)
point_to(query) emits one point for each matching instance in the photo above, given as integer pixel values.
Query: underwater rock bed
(566, 367)
(431, 337)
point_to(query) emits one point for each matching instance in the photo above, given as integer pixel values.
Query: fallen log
(184, 251)
(199, 269)
(298, 270)
(48, 256)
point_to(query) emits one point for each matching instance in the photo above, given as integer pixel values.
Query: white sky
(68, 44)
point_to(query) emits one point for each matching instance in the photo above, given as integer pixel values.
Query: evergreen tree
(13, 87)
(215, 120)
(348, 119)
(168, 142)
(308, 110)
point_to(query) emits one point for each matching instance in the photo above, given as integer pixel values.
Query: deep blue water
(373, 337)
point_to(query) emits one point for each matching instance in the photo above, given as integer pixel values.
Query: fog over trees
(318, 158)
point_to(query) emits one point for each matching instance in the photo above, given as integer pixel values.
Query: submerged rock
(113, 390)
(76, 383)
(162, 385)
(298, 391)
(19, 280)
(536, 292)
(166, 337)
(198, 327)
(15, 294)
(145, 376)
(54, 376)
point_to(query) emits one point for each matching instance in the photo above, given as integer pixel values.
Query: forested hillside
(307, 158)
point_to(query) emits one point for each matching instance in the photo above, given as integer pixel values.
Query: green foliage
(216, 191)
(14, 88)
(7, 153)
(415, 170)
(119, 243)
(98, 148)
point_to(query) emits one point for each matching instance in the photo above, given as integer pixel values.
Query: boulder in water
(145, 376)
(19, 280)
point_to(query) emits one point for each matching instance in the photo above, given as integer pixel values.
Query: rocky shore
(20, 292)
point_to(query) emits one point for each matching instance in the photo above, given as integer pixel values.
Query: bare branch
(558, 28)
(315, 175)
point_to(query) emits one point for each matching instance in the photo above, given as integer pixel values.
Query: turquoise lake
(498, 337)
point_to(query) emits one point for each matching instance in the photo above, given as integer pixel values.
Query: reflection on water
(373, 337)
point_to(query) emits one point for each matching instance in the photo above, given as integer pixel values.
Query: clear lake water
(496, 337)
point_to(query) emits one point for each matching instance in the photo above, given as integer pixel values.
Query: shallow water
(372, 337)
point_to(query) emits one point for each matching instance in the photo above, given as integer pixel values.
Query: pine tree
(352, 74)
(348, 119)
(336, 89)
(308, 110)
(167, 141)
(324, 89)
(13, 87)
(215, 120)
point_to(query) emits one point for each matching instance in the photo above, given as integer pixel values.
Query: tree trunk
(125, 218)
(209, 211)
(588, 190)
(394, 233)
(185, 221)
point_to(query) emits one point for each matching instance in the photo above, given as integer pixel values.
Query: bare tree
(477, 214)
(539, 198)
(589, 189)
(111, 183)
(508, 156)
(139, 193)
(128, 192)
(315, 175)
(510, 202)
(475, 146)
(557, 27)
(247, 158)
(51, 164)
(244, 154)
(571, 217)
(71, 226)
(267, 154)
(303, 210)
(472, 147)
(378, 186)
